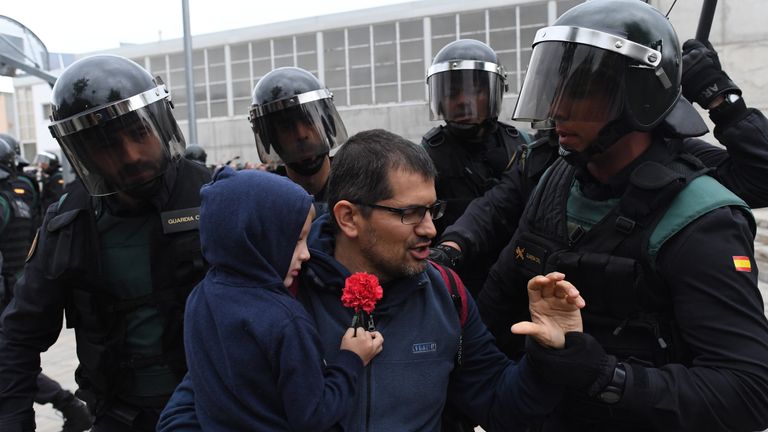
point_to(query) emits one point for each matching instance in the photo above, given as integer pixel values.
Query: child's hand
(366, 344)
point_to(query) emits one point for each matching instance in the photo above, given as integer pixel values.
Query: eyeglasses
(412, 215)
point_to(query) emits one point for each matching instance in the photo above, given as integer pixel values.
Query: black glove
(703, 77)
(446, 255)
(582, 365)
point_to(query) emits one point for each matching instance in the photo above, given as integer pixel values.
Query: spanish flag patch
(742, 263)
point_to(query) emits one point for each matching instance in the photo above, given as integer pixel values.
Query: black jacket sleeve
(489, 221)
(743, 167)
(720, 314)
(29, 325)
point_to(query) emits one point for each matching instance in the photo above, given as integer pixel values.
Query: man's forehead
(406, 186)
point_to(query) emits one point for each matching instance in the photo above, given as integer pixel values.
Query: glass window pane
(199, 76)
(412, 29)
(240, 71)
(413, 50)
(444, 26)
(201, 110)
(239, 52)
(242, 107)
(412, 71)
(414, 91)
(535, 13)
(502, 18)
(179, 95)
(241, 89)
(360, 96)
(216, 55)
(385, 54)
(306, 43)
(283, 61)
(200, 93)
(176, 61)
(198, 57)
(261, 67)
(359, 56)
(503, 40)
(472, 23)
(384, 32)
(260, 49)
(156, 64)
(307, 61)
(385, 73)
(360, 76)
(218, 92)
(358, 36)
(217, 73)
(335, 79)
(339, 96)
(283, 46)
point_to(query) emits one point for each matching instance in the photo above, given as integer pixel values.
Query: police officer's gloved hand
(703, 77)
(446, 255)
(582, 365)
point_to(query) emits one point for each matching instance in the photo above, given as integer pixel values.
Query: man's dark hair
(361, 166)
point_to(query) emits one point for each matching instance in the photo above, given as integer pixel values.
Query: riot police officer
(51, 178)
(295, 124)
(675, 335)
(118, 253)
(195, 153)
(473, 150)
(25, 185)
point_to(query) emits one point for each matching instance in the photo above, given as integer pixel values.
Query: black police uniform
(64, 272)
(489, 222)
(467, 170)
(687, 323)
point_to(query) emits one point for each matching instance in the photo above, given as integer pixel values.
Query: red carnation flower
(361, 292)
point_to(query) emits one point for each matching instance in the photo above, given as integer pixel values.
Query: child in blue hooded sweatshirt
(253, 352)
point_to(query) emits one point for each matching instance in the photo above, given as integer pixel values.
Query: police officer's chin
(308, 167)
(471, 131)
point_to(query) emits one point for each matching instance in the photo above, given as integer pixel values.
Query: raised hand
(554, 304)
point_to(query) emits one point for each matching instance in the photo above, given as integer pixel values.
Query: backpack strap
(458, 294)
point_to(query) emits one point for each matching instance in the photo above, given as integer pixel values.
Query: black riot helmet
(195, 153)
(21, 162)
(466, 83)
(294, 120)
(7, 160)
(47, 161)
(115, 125)
(606, 60)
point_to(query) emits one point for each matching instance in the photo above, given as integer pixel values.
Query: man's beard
(308, 167)
(383, 268)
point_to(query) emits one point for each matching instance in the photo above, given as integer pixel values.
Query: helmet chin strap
(608, 136)
(472, 131)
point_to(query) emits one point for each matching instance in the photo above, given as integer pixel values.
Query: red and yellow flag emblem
(742, 263)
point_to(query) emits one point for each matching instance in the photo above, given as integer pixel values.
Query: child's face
(301, 253)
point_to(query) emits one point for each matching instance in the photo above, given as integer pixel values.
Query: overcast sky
(79, 26)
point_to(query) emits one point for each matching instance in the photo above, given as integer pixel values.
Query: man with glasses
(382, 205)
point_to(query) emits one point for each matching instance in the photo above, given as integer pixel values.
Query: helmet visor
(125, 152)
(465, 95)
(298, 133)
(571, 82)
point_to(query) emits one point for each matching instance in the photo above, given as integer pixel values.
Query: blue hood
(250, 222)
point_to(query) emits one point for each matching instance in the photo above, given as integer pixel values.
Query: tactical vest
(463, 176)
(15, 238)
(72, 253)
(613, 263)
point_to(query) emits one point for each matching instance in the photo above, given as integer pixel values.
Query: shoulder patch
(434, 137)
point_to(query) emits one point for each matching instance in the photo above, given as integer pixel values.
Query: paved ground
(60, 361)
